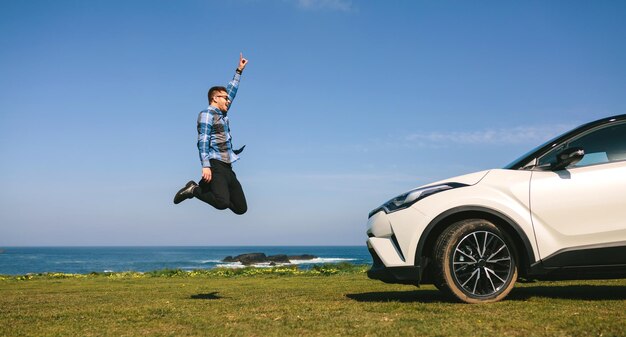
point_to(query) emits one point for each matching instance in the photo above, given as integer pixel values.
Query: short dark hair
(213, 91)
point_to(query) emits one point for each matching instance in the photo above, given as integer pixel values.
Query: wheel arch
(429, 236)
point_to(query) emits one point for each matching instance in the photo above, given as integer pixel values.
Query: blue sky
(344, 104)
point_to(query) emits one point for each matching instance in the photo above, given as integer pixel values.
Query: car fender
(501, 193)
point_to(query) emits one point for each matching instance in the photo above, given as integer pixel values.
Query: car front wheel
(475, 262)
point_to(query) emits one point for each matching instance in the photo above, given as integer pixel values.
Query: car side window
(604, 145)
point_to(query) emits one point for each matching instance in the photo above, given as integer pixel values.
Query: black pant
(224, 190)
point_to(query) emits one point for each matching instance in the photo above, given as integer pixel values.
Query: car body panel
(489, 194)
(387, 252)
(579, 207)
(405, 224)
(408, 225)
(467, 179)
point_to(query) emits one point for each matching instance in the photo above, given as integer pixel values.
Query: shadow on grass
(424, 296)
(209, 296)
(574, 292)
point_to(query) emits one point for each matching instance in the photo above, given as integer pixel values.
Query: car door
(579, 213)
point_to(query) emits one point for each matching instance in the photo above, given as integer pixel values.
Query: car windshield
(517, 162)
(545, 147)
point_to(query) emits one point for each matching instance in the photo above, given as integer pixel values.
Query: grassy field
(317, 303)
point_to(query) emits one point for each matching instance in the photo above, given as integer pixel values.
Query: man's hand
(242, 62)
(206, 174)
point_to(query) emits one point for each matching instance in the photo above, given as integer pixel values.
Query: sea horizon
(18, 260)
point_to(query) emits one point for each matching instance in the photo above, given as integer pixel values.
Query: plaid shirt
(214, 139)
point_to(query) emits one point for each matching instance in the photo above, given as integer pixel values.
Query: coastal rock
(254, 258)
(302, 257)
(281, 258)
(250, 258)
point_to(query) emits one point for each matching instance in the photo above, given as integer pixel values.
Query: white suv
(558, 212)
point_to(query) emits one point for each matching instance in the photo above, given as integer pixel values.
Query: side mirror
(568, 157)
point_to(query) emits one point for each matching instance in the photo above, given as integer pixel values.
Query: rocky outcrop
(254, 258)
(302, 257)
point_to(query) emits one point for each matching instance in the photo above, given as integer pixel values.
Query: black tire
(475, 262)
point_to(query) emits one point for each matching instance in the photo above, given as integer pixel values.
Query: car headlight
(409, 198)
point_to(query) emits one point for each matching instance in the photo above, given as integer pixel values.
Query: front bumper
(400, 274)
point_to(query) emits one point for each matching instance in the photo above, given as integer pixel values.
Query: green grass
(329, 301)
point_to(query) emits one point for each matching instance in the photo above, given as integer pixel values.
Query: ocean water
(24, 260)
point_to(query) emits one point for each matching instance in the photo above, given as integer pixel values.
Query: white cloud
(515, 135)
(335, 5)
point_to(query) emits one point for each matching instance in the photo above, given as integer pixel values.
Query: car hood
(467, 179)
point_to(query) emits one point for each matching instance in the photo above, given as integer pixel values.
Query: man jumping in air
(218, 186)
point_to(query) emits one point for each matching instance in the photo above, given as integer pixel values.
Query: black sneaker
(185, 192)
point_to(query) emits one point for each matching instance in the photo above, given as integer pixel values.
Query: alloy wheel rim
(482, 264)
